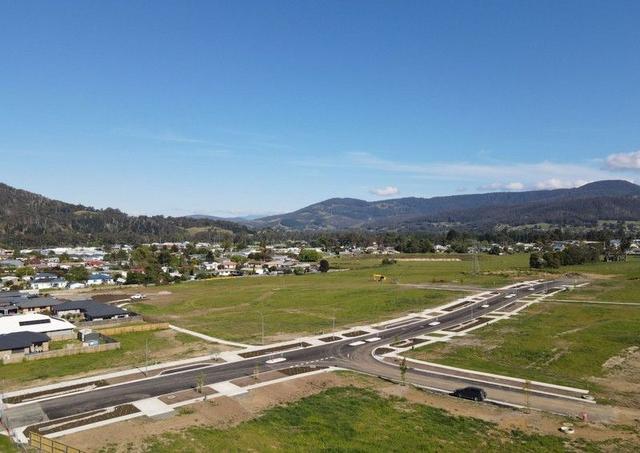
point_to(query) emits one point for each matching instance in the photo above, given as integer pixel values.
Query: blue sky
(232, 108)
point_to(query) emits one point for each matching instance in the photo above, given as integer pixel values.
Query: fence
(132, 318)
(16, 358)
(46, 445)
(134, 328)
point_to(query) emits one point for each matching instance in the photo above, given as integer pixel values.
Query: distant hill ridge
(29, 219)
(602, 200)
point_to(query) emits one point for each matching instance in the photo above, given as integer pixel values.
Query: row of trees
(571, 255)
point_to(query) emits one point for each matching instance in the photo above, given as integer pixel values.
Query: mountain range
(29, 219)
(585, 205)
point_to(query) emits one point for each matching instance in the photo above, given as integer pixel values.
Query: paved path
(208, 338)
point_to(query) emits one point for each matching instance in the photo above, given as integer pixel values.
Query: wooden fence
(134, 328)
(45, 445)
(17, 358)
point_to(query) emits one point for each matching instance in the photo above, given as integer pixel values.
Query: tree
(324, 265)
(24, 271)
(403, 370)
(77, 274)
(535, 262)
(309, 255)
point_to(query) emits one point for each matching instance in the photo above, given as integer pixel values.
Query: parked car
(471, 393)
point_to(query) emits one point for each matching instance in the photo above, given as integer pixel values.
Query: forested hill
(28, 219)
(602, 200)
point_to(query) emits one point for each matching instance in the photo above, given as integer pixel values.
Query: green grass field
(616, 282)
(359, 420)
(163, 345)
(559, 343)
(232, 308)
(6, 446)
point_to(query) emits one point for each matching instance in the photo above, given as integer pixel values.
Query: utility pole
(525, 387)
(333, 329)
(146, 356)
(476, 264)
(262, 321)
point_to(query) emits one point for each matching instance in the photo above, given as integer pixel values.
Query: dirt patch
(258, 378)
(68, 389)
(73, 422)
(105, 298)
(622, 378)
(356, 333)
(284, 347)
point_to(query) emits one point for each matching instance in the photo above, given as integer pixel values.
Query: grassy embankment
(353, 419)
(295, 305)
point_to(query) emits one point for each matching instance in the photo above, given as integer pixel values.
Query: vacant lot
(163, 345)
(294, 305)
(569, 344)
(356, 419)
(611, 282)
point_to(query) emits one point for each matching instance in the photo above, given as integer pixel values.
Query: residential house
(22, 343)
(35, 322)
(99, 279)
(47, 281)
(36, 304)
(91, 310)
(11, 263)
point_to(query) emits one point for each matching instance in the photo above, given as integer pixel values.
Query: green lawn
(359, 420)
(617, 282)
(231, 308)
(163, 345)
(6, 446)
(552, 342)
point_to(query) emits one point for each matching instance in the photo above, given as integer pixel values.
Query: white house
(35, 322)
(47, 281)
(100, 279)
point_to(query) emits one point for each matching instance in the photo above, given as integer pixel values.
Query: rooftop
(20, 340)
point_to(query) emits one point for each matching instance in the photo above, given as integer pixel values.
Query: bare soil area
(621, 383)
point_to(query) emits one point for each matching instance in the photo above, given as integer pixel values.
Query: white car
(373, 339)
(357, 343)
(137, 296)
(509, 296)
(484, 306)
(276, 360)
(434, 323)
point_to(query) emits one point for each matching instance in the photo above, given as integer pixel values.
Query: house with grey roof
(90, 310)
(22, 343)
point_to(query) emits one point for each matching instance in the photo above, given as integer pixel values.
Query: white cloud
(385, 191)
(466, 171)
(624, 161)
(555, 183)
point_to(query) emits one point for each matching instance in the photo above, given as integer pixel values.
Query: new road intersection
(369, 350)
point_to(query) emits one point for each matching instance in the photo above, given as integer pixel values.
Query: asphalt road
(339, 353)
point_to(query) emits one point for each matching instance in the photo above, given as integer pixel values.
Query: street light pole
(262, 320)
